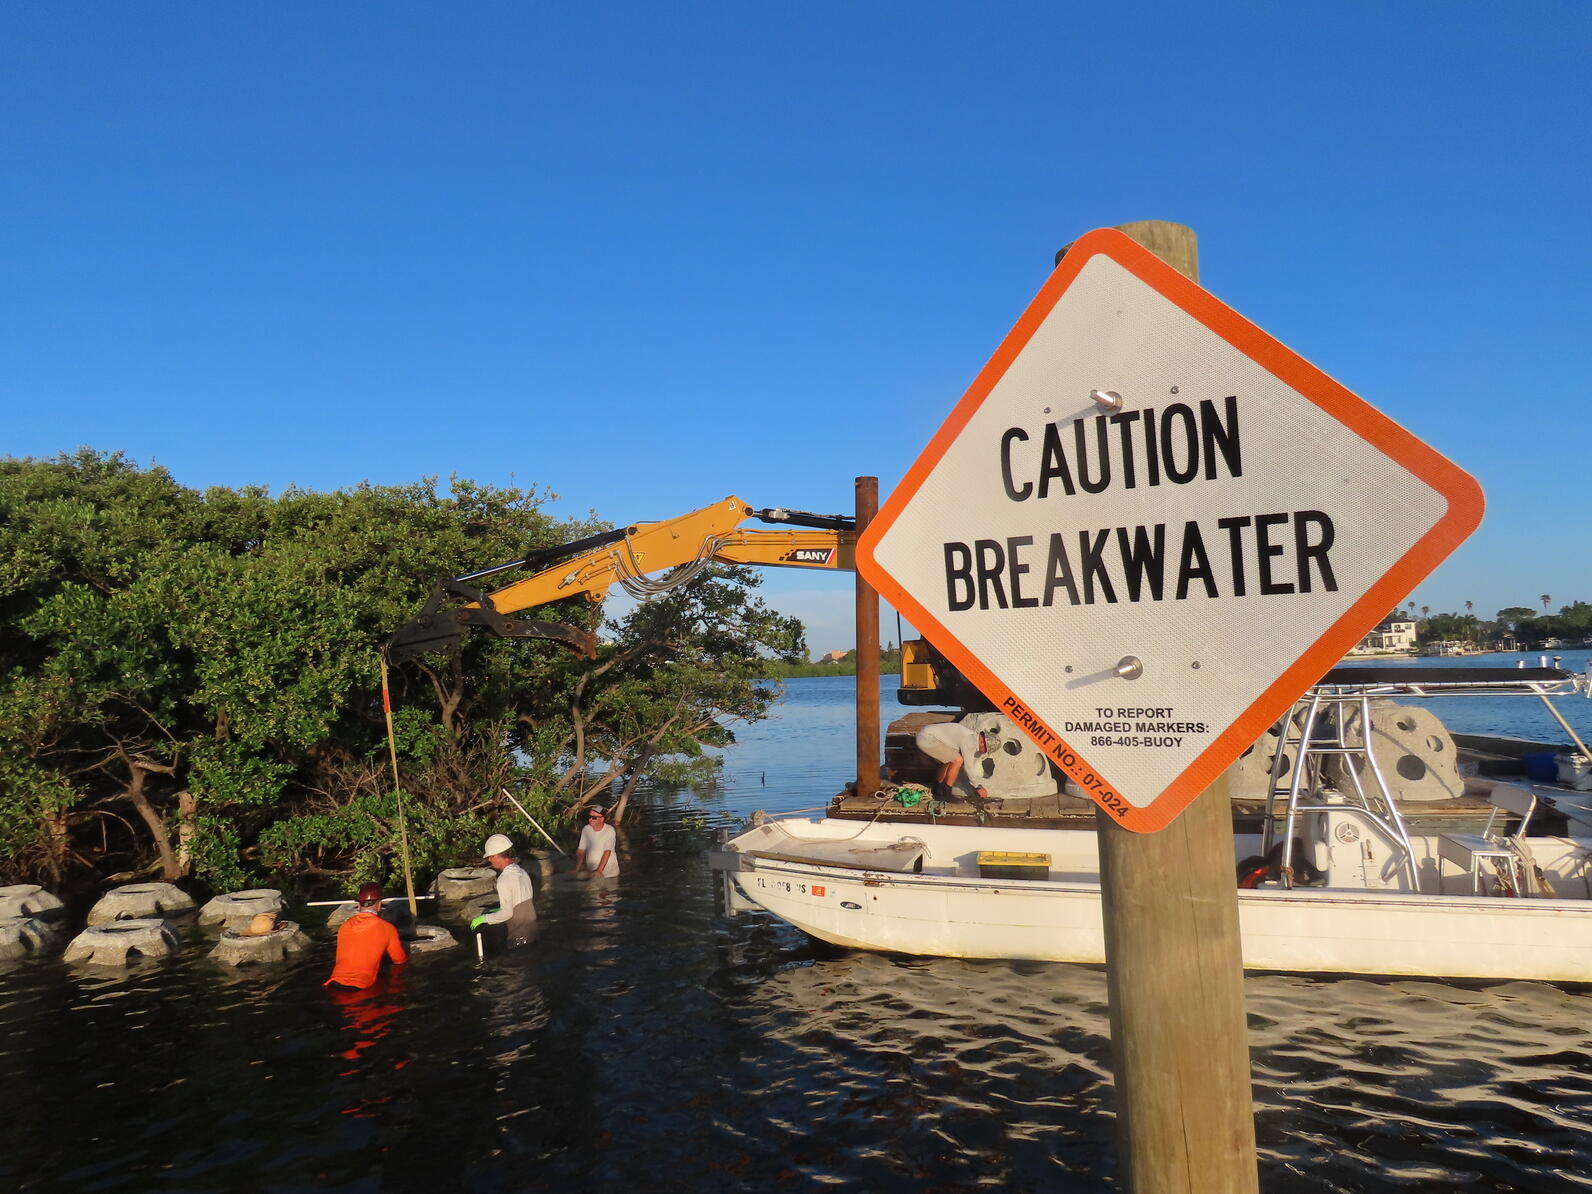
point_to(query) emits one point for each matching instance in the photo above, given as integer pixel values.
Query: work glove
(476, 924)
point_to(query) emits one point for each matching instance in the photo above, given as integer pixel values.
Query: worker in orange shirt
(362, 941)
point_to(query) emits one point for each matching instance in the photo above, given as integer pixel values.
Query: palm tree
(1545, 599)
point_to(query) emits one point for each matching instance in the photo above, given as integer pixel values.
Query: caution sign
(1148, 527)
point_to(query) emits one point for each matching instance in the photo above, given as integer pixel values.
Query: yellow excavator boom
(633, 558)
(713, 533)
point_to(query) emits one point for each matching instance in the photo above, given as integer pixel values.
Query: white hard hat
(498, 843)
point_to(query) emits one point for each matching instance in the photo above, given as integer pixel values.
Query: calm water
(1519, 717)
(645, 1044)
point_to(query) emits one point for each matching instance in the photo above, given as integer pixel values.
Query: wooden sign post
(1143, 532)
(1175, 970)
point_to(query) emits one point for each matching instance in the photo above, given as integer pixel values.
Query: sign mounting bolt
(1109, 399)
(1129, 667)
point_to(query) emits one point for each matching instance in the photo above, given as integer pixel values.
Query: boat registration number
(790, 887)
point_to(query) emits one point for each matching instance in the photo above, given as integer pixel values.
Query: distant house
(833, 656)
(1392, 637)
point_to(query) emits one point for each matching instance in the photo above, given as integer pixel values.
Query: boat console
(1331, 794)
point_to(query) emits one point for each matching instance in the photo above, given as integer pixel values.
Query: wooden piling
(1174, 967)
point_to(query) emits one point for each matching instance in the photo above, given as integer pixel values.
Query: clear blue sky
(650, 255)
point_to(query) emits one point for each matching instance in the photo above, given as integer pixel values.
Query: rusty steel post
(867, 654)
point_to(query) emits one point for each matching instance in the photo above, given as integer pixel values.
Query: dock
(1484, 759)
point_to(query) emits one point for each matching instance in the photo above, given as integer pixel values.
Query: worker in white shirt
(516, 908)
(597, 856)
(956, 748)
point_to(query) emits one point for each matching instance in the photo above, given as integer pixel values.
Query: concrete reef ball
(395, 913)
(236, 909)
(459, 883)
(140, 901)
(28, 899)
(25, 937)
(429, 939)
(237, 948)
(122, 943)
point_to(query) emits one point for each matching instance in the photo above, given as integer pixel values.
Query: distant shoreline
(788, 671)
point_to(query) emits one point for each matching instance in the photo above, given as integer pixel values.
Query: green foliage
(1515, 615)
(674, 677)
(165, 648)
(357, 832)
(217, 855)
(189, 682)
(1575, 620)
(1572, 624)
(889, 665)
(1451, 627)
(699, 772)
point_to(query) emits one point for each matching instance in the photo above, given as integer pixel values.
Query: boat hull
(1307, 930)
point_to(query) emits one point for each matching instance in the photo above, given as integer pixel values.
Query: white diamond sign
(1148, 527)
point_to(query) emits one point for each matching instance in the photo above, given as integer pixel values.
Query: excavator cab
(929, 678)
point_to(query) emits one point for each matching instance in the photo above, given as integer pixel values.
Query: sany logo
(809, 555)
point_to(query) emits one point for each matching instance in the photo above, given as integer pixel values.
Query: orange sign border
(1458, 488)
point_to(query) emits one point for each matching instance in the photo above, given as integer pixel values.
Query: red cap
(369, 894)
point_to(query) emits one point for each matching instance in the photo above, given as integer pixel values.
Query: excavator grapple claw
(442, 630)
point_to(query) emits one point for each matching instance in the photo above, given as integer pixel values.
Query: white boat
(1380, 899)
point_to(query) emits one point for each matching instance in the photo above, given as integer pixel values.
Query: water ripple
(645, 1044)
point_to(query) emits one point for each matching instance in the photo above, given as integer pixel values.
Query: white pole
(1558, 717)
(532, 820)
